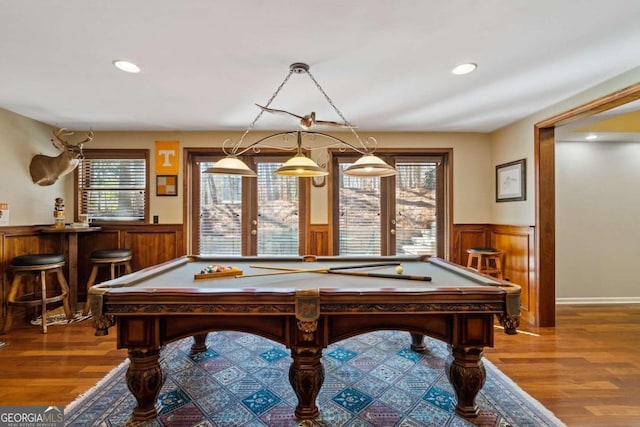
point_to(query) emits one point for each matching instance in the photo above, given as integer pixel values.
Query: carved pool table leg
(509, 323)
(144, 379)
(306, 376)
(102, 324)
(417, 343)
(199, 344)
(466, 374)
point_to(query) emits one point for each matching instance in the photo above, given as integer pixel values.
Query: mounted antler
(46, 170)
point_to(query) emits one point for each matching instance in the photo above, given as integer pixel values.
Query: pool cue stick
(379, 264)
(275, 273)
(320, 270)
(340, 270)
(292, 269)
(382, 275)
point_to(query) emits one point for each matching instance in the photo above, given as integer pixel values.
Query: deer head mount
(46, 170)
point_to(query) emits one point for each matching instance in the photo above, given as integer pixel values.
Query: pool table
(305, 303)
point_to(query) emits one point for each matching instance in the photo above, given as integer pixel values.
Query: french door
(232, 215)
(398, 215)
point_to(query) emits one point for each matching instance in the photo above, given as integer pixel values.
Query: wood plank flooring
(586, 370)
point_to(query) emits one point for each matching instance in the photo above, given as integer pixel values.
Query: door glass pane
(359, 211)
(220, 213)
(278, 219)
(416, 208)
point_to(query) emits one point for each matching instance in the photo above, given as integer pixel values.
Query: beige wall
(475, 157)
(32, 204)
(597, 220)
(509, 144)
(575, 279)
(515, 142)
(20, 139)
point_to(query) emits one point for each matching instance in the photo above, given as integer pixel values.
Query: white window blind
(278, 217)
(112, 189)
(220, 213)
(416, 208)
(360, 207)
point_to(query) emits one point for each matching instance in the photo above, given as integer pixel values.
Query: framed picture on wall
(167, 185)
(511, 181)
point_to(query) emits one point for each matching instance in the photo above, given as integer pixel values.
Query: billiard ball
(399, 269)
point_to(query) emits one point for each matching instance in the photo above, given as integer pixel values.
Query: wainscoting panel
(467, 236)
(87, 243)
(151, 244)
(518, 245)
(156, 243)
(22, 240)
(318, 242)
(517, 242)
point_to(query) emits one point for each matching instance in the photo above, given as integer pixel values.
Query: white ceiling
(386, 64)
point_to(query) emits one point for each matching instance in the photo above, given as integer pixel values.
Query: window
(245, 216)
(416, 205)
(278, 221)
(113, 185)
(220, 219)
(270, 215)
(359, 214)
(399, 215)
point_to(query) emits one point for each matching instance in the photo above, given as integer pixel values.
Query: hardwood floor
(586, 370)
(54, 368)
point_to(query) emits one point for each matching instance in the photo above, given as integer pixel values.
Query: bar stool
(111, 258)
(37, 265)
(487, 261)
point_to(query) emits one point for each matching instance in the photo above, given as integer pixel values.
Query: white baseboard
(598, 300)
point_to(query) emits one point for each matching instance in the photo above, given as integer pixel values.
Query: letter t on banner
(167, 157)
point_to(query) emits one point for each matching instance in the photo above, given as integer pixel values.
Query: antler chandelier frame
(300, 165)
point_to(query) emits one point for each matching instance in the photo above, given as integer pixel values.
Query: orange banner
(167, 157)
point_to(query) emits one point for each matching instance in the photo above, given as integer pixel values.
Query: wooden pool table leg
(509, 323)
(417, 343)
(466, 374)
(306, 375)
(144, 379)
(199, 344)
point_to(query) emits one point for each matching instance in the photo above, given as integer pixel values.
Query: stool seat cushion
(36, 259)
(111, 253)
(482, 250)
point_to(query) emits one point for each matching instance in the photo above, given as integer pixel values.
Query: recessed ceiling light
(591, 137)
(464, 68)
(126, 66)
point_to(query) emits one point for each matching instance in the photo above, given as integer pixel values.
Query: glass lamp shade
(301, 166)
(231, 166)
(370, 165)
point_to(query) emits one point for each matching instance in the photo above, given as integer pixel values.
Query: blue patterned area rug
(370, 380)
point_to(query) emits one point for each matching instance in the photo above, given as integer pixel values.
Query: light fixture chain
(346, 122)
(253, 123)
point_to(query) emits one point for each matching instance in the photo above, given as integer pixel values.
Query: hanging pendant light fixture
(231, 165)
(300, 165)
(370, 165)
